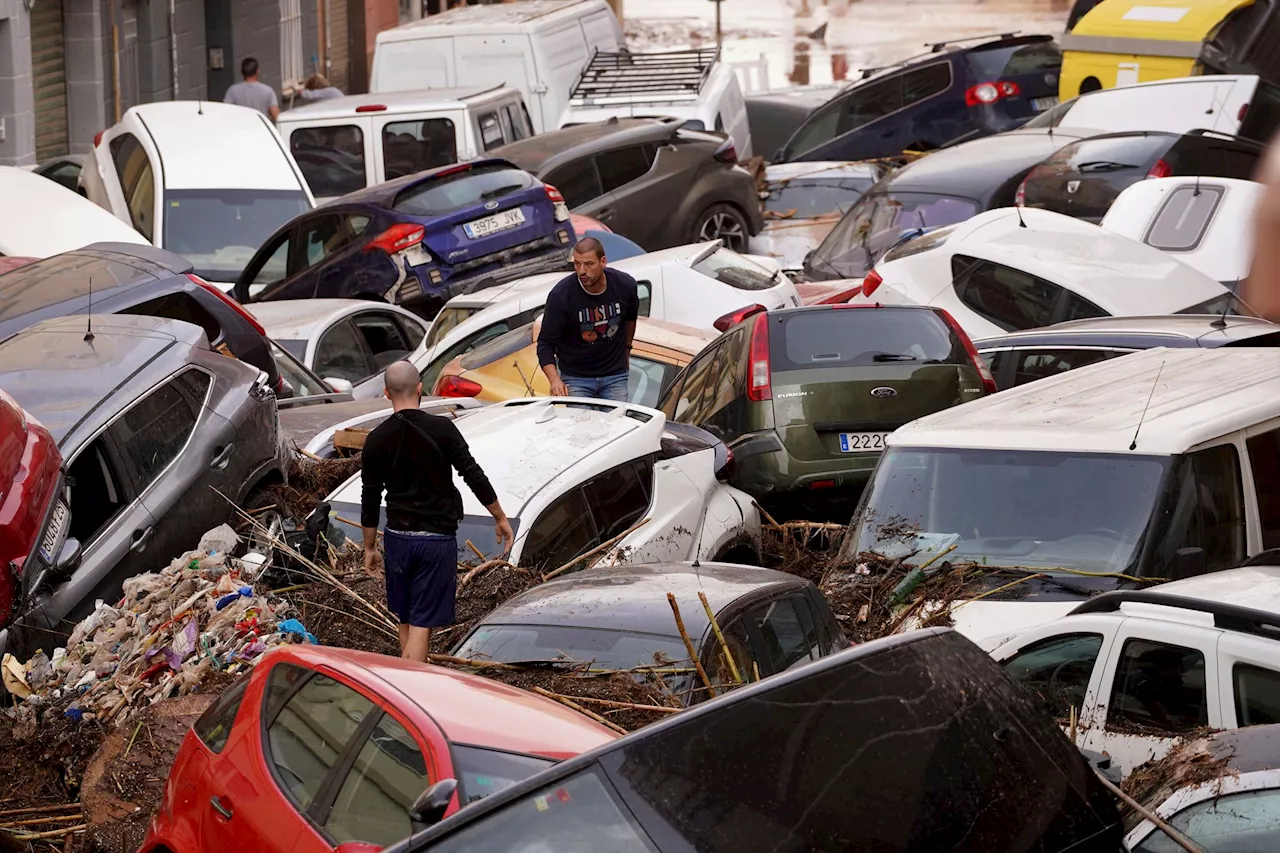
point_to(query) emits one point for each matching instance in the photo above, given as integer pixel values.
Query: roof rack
(1230, 617)
(619, 76)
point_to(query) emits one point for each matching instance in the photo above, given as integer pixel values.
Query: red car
(320, 749)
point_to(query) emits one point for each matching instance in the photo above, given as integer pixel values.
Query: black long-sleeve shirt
(587, 334)
(416, 474)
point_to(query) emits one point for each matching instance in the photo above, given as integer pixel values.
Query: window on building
(292, 60)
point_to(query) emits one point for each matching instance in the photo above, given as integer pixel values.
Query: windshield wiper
(893, 356)
(1103, 166)
(1014, 570)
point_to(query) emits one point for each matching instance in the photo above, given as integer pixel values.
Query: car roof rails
(619, 77)
(1230, 617)
(1203, 131)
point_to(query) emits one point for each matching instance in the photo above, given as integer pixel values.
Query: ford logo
(490, 205)
(883, 392)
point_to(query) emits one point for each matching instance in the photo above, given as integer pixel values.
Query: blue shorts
(422, 577)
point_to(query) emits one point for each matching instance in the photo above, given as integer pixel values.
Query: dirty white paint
(1157, 14)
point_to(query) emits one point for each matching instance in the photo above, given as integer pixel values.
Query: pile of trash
(187, 628)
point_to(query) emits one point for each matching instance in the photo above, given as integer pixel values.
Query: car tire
(266, 530)
(722, 222)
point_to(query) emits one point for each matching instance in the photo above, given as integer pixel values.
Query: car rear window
(855, 337)
(446, 321)
(62, 277)
(1002, 62)
(500, 347)
(727, 266)
(1184, 217)
(1113, 153)
(331, 158)
(456, 191)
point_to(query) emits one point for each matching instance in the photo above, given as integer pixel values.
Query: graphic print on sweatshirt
(600, 321)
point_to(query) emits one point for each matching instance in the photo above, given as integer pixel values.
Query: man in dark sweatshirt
(411, 456)
(587, 327)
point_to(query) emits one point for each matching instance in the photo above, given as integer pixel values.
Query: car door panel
(639, 205)
(675, 512)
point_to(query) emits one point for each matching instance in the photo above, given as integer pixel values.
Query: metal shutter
(335, 19)
(49, 73)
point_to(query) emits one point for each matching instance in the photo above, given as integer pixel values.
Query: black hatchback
(1085, 177)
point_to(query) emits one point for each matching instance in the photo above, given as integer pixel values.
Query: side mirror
(339, 386)
(68, 558)
(1188, 563)
(431, 805)
(808, 256)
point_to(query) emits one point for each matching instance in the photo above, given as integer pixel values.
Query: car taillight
(727, 152)
(871, 282)
(840, 298)
(235, 306)
(733, 318)
(988, 93)
(1242, 112)
(559, 208)
(371, 108)
(97, 138)
(1160, 170)
(397, 238)
(988, 381)
(758, 386)
(1020, 197)
(456, 386)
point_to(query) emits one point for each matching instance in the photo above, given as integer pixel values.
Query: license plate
(1042, 104)
(493, 224)
(862, 442)
(53, 533)
(416, 256)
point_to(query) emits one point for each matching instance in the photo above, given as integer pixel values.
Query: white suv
(572, 474)
(1145, 667)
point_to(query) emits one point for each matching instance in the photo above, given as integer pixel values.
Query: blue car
(948, 95)
(418, 240)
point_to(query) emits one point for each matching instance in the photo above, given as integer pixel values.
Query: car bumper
(763, 467)
(420, 293)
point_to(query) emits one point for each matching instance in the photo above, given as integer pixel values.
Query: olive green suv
(804, 397)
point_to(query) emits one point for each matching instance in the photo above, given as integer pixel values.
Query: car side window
(1257, 693)
(790, 637)
(326, 235)
(214, 725)
(384, 338)
(137, 182)
(273, 265)
(644, 295)
(1010, 298)
(744, 660)
(624, 165)
(1056, 671)
(515, 118)
(1076, 307)
(822, 126)
(578, 181)
(1248, 820)
(646, 380)
(671, 397)
(331, 158)
(490, 131)
(432, 371)
(413, 332)
(1208, 509)
(563, 531)
(1264, 462)
(1159, 686)
(154, 430)
(870, 103)
(619, 497)
(691, 406)
(340, 354)
(373, 803)
(728, 374)
(418, 145)
(1033, 365)
(921, 83)
(306, 736)
(97, 491)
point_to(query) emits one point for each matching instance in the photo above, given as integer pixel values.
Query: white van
(693, 85)
(1160, 464)
(346, 144)
(538, 46)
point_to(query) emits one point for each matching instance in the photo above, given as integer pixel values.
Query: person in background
(318, 89)
(584, 346)
(411, 456)
(252, 93)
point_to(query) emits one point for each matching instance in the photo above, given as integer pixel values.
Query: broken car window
(388, 775)
(1159, 686)
(1056, 671)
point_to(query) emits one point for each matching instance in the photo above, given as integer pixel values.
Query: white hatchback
(575, 475)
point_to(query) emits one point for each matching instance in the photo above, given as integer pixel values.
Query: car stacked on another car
(39, 218)
(417, 240)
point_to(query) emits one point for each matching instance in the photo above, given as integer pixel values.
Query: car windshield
(876, 223)
(447, 320)
(454, 191)
(805, 198)
(727, 266)
(484, 772)
(220, 230)
(605, 648)
(837, 337)
(301, 383)
(1011, 507)
(500, 347)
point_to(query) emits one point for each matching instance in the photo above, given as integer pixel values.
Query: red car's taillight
(1160, 170)
(870, 282)
(988, 381)
(397, 238)
(727, 152)
(235, 306)
(759, 388)
(988, 93)
(456, 386)
(733, 318)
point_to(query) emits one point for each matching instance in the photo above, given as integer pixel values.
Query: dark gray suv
(650, 180)
(150, 421)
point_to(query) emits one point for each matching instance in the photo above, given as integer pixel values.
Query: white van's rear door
(499, 60)
(403, 66)
(600, 30)
(1229, 118)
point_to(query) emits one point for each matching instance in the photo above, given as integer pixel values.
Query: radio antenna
(1134, 444)
(88, 333)
(1018, 208)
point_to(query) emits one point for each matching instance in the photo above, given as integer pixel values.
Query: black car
(947, 95)
(123, 278)
(944, 188)
(1022, 357)
(774, 116)
(910, 744)
(1083, 179)
(650, 180)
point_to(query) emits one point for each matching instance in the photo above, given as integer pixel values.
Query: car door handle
(606, 214)
(220, 808)
(222, 457)
(140, 538)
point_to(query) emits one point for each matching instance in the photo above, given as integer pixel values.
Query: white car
(692, 285)
(40, 217)
(1145, 667)
(1016, 268)
(1206, 223)
(344, 339)
(207, 180)
(574, 474)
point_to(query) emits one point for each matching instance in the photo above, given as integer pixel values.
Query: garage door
(335, 19)
(49, 70)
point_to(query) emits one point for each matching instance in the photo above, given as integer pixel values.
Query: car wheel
(266, 532)
(722, 222)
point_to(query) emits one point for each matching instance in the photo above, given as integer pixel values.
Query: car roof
(1141, 331)
(821, 169)
(1180, 397)
(43, 218)
(395, 102)
(1251, 587)
(212, 145)
(526, 446)
(513, 17)
(54, 354)
(634, 598)
(299, 319)
(538, 152)
(469, 709)
(384, 194)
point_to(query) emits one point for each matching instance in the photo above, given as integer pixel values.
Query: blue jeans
(601, 387)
